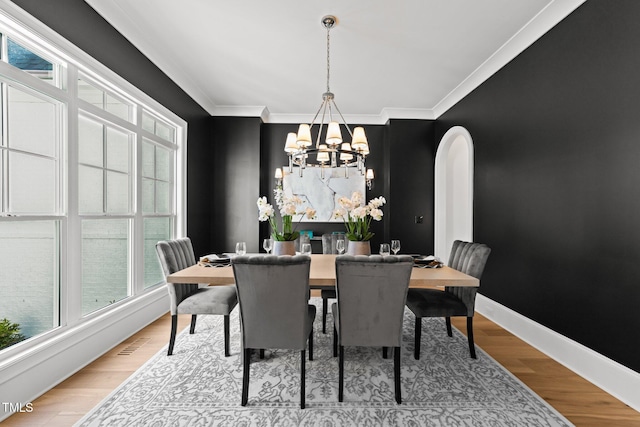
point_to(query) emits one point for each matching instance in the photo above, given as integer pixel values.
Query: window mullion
(71, 273)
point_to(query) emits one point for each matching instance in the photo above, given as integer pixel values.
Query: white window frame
(32, 34)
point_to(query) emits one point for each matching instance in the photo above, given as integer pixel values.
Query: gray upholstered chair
(273, 293)
(189, 298)
(469, 258)
(372, 292)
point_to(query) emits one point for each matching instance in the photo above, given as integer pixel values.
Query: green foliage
(9, 333)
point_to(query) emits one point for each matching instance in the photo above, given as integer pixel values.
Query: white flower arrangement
(288, 207)
(357, 216)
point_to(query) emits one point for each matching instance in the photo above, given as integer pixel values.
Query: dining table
(322, 273)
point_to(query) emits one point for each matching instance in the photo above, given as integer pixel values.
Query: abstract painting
(321, 189)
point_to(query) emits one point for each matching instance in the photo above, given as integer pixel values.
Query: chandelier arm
(317, 113)
(342, 117)
(324, 111)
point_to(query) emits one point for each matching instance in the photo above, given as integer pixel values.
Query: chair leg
(311, 344)
(384, 352)
(245, 376)
(226, 335)
(335, 342)
(448, 322)
(172, 337)
(341, 374)
(302, 377)
(472, 347)
(324, 315)
(262, 353)
(193, 323)
(396, 373)
(418, 337)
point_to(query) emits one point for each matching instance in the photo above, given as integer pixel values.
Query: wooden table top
(323, 273)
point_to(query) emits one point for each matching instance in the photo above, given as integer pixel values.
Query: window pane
(91, 94)
(148, 196)
(103, 99)
(105, 267)
(158, 127)
(117, 107)
(165, 131)
(117, 193)
(90, 144)
(32, 184)
(163, 165)
(90, 190)
(117, 150)
(155, 229)
(148, 123)
(22, 58)
(163, 197)
(29, 276)
(148, 159)
(32, 123)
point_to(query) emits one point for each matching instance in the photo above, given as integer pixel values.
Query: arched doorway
(453, 217)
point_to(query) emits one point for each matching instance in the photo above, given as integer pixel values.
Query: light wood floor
(578, 400)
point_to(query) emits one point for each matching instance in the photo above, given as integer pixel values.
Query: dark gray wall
(409, 177)
(80, 24)
(235, 183)
(557, 178)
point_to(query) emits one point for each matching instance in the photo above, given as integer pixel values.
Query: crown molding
(365, 119)
(240, 111)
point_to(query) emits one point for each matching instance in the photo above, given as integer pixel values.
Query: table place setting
(213, 260)
(427, 261)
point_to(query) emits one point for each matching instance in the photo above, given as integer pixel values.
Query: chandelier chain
(328, 57)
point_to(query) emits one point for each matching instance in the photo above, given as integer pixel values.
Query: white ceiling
(400, 59)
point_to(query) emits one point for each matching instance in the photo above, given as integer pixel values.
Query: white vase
(358, 248)
(287, 247)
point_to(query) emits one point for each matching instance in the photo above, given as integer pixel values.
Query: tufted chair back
(372, 292)
(175, 255)
(469, 258)
(273, 293)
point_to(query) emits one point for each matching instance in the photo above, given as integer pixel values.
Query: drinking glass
(384, 249)
(305, 248)
(395, 246)
(266, 244)
(241, 248)
(340, 246)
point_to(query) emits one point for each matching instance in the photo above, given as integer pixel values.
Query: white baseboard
(614, 378)
(29, 374)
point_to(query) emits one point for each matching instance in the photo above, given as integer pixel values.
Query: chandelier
(330, 150)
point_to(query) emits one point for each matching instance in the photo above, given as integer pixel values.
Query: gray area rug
(198, 386)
